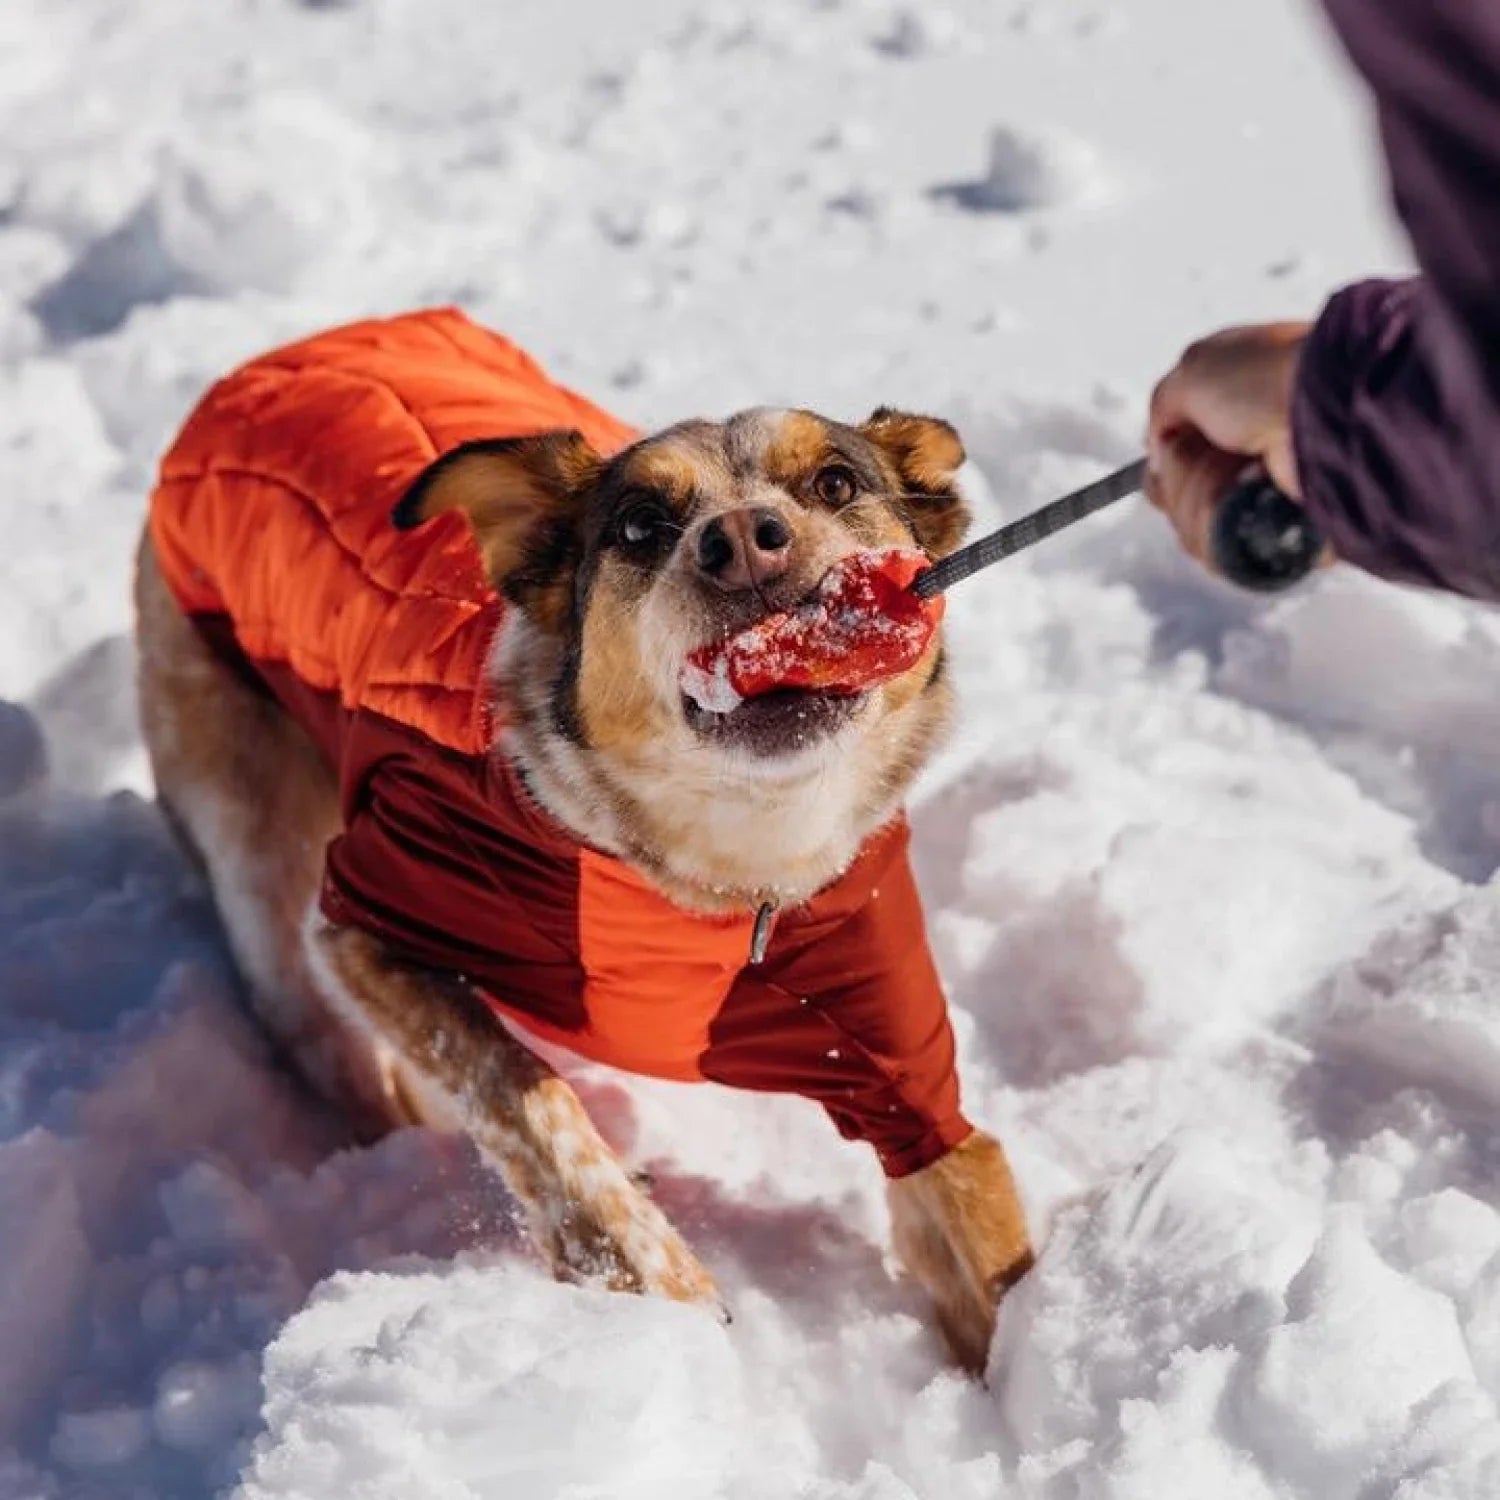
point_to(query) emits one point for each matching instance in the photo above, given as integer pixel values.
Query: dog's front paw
(622, 1240)
(959, 1228)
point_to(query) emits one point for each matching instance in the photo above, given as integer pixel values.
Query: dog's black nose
(746, 548)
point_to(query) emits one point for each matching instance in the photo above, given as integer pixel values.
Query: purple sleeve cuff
(1385, 454)
(1356, 326)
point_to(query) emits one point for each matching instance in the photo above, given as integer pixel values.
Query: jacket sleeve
(1397, 415)
(849, 1012)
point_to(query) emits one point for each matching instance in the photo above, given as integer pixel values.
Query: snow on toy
(864, 625)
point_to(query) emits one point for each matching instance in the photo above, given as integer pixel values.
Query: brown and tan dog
(287, 753)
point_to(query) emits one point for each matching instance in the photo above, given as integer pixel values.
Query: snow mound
(1196, 1315)
(483, 1380)
(1420, 1005)
(1026, 169)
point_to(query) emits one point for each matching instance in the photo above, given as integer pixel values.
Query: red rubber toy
(863, 627)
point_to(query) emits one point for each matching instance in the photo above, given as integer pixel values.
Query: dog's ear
(926, 453)
(522, 496)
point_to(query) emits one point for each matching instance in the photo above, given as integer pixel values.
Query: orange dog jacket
(271, 523)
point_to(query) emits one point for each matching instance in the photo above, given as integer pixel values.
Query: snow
(1210, 877)
(518, 1363)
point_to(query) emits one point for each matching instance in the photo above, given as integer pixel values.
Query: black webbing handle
(1262, 539)
(1030, 530)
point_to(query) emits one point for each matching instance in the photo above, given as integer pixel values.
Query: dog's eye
(835, 485)
(642, 524)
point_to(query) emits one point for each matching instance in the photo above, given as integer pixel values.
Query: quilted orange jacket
(271, 522)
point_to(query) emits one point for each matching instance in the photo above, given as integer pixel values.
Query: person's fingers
(1172, 409)
(1169, 489)
(1204, 393)
(1280, 460)
(1188, 483)
(1235, 389)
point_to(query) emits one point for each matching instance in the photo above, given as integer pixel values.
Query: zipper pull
(760, 934)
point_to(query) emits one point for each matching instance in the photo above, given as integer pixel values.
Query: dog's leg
(463, 1070)
(254, 802)
(959, 1228)
(255, 805)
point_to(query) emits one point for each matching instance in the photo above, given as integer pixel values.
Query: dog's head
(617, 569)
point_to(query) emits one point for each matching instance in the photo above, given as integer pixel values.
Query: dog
(412, 621)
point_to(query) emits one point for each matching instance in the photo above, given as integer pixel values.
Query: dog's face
(619, 569)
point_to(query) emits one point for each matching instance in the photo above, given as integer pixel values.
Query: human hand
(1225, 405)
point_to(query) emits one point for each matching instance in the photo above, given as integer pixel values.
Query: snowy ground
(1210, 879)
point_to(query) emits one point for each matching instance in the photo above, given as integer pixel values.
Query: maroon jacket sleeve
(847, 1010)
(1397, 415)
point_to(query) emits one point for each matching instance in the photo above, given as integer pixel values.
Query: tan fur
(502, 489)
(258, 806)
(798, 448)
(464, 1071)
(678, 466)
(959, 1228)
(623, 713)
(925, 454)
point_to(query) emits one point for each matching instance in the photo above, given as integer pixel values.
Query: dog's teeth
(710, 690)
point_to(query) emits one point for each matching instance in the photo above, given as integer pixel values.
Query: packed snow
(1210, 877)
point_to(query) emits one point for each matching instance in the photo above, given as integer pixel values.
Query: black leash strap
(1030, 530)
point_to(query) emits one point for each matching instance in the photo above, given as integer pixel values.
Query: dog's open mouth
(775, 723)
(861, 626)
